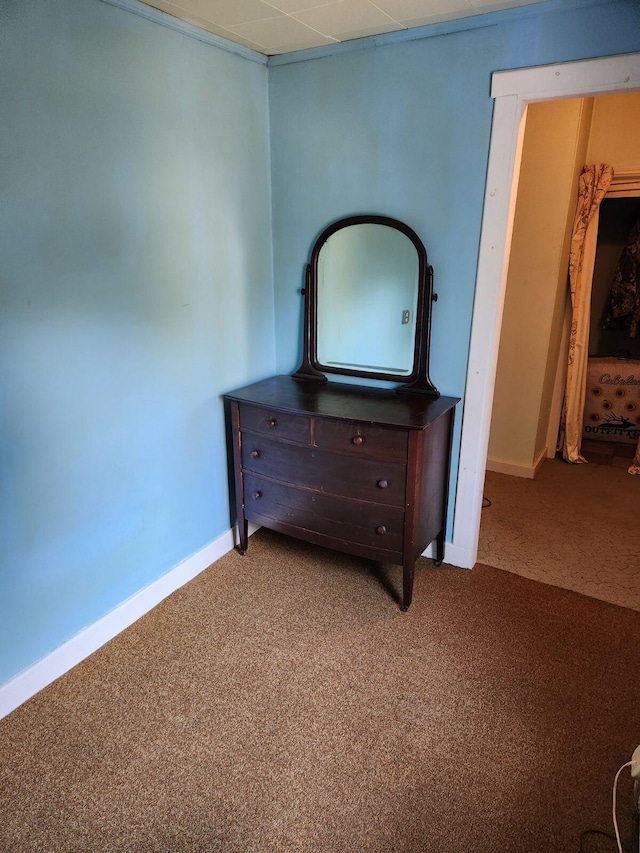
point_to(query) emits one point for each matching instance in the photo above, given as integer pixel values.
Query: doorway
(513, 91)
(576, 526)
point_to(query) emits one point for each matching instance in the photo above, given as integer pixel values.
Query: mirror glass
(367, 305)
(367, 300)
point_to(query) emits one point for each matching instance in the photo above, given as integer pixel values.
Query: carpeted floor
(281, 702)
(574, 526)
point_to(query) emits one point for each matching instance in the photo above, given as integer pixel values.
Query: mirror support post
(307, 372)
(422, 384)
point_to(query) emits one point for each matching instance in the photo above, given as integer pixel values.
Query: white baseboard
(513, 470)
(29, 682)
(33, 679)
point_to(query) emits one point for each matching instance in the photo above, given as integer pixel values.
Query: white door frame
(512, 91)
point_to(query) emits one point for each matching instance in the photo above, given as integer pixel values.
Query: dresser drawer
(372, 480)
(276, 424)
(361, 439)
(373, 525)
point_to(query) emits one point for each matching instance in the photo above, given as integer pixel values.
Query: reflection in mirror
(367, 292)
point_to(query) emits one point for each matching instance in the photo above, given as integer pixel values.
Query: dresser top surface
(339, 400)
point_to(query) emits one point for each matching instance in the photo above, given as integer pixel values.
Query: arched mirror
(368, 297)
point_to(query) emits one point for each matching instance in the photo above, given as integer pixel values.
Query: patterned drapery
(593, 185)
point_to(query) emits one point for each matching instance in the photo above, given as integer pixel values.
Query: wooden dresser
(358, 469)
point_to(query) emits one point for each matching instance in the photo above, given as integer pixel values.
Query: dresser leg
(407, 585)
(243, 536)
(439, 558)
(243, 528)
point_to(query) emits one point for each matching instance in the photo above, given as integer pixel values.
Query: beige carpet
(574, 526)
(281, 702)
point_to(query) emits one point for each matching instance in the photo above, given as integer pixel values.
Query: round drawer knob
(357, 440)
(381, 530)
(271, 423)
(383, 484)
(257, 495)
(254, 454)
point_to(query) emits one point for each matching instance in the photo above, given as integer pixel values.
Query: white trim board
(33, 679)
(479, 20)
(513, 91)
(186, 29)
(29, 682)
(515, 470)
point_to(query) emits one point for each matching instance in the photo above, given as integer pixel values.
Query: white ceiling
(280, 26)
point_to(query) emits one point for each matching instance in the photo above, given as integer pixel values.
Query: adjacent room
(165, 173)
(567, 513)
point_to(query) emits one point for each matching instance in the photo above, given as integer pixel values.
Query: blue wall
(135, 288)
(403, 130)
(135, 274)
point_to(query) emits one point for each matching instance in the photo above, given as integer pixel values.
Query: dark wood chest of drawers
(357, 469)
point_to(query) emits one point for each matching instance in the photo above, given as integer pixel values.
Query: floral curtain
(593, 185)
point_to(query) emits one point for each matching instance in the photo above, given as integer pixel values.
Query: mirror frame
(415, 382)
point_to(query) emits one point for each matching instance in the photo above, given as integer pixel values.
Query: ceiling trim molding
(190, 30)
(472, 22)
